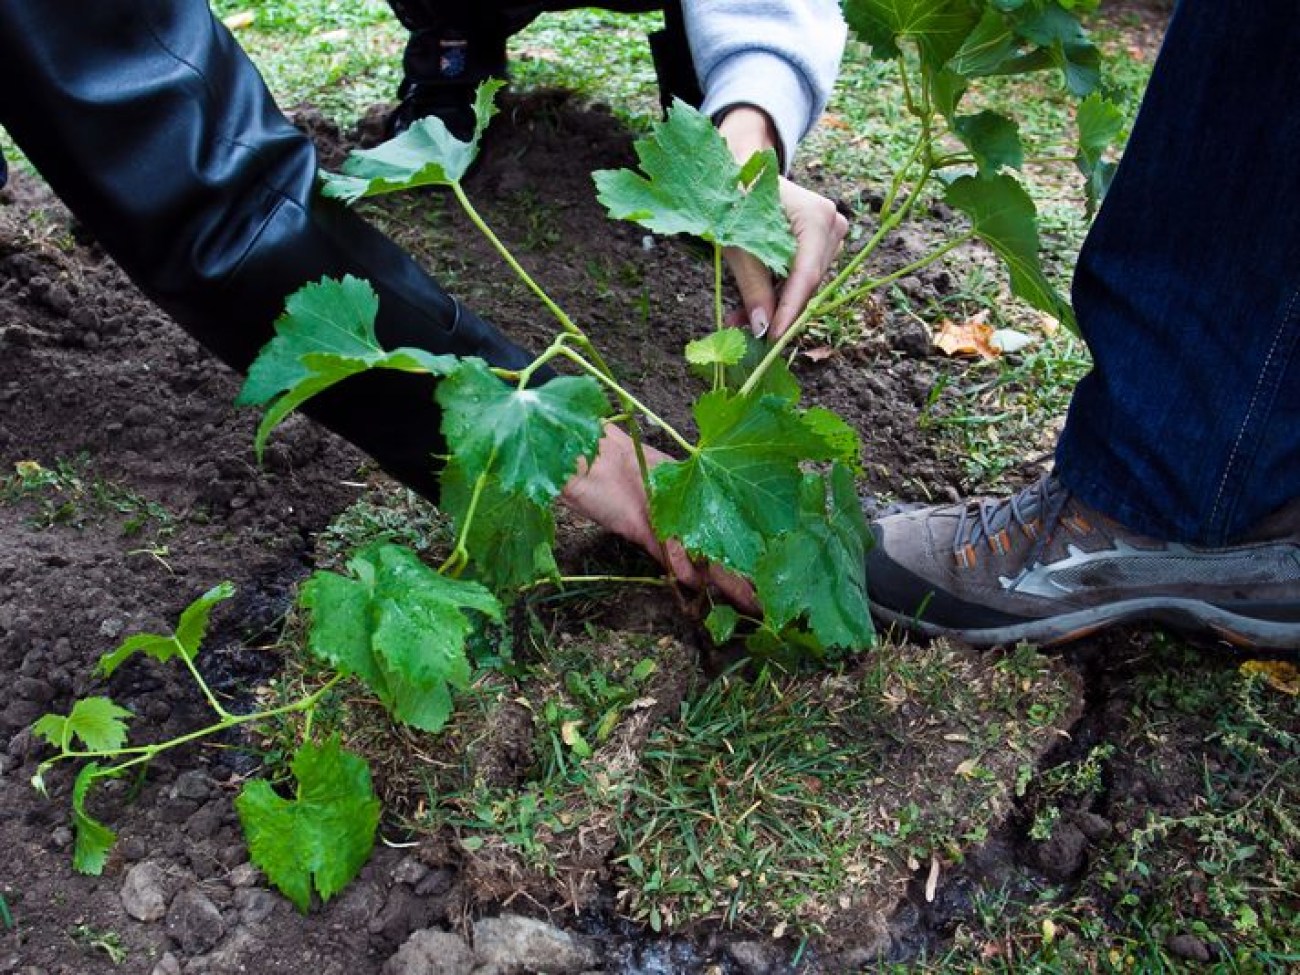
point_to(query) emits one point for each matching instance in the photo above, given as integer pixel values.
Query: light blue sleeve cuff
(768, 82)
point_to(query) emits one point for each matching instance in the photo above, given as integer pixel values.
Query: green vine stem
(622, 393)
(146, 753)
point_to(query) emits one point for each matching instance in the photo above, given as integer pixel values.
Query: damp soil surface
(128, 487)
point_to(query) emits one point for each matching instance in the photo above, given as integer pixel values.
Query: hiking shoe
(1043, 567)
(443, 69)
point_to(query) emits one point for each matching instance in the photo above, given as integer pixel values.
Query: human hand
(819, 230)
(610, 492)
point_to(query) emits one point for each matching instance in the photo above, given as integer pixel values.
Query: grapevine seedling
(392, 622)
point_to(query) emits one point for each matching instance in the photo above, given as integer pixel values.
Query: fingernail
(758, 323)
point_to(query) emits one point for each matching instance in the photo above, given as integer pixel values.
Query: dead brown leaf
(969, 338)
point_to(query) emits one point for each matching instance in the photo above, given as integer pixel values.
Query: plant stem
(565, 321)
(459, 557)
(595, 579)
(863, 289)
(203, 685)
(623, 394)
(717, 287)
(145, 753)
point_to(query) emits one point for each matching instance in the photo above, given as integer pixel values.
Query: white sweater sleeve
(778, 55)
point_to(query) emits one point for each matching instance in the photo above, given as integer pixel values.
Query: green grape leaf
(937, 27)
(721, 623)
(326, 334)
(97, 721)
(987, 48)
(819, 568)
(426, 154)
(399, 626)
(725, 347)
(692, 185)
(1101, 123)
(741, 487)
(511, 539)
(190, 631)
(947, 89)
(993, 139)
(843, 441)
(1003, 216)
(530, 438)
(93, 838)
(1061, 43)
(323, 836)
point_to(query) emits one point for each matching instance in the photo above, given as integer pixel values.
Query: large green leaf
(530, 438)
(741, 488)
(511, 538)
(987, 48)
(96, 721)
(399, 626)
(692, 185)
(1003, 216)
(93, 838)
(323, 836)
(190, 631)
(818, 569)
(1060, 42)
(326, 334)
(993, 139)
(937, 27)
(426, 154)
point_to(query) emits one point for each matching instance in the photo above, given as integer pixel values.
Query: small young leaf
(777, 381)
(530, 438)
(724, 347)
(692, 185)
(1004, 216)
(426, 154)
(97, 721)
(742, 486)
(326, 334)
(323, 836)
(1100, 125)
(819, 569)
(399, 626)
(721, 623)
(511, 539)
(993, 139)
(93, 838)
(190, 631)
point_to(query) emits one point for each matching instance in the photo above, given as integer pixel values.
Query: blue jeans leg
(1188, 289)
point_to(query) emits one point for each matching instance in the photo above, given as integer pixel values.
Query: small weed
(109, 942)
(68, 494)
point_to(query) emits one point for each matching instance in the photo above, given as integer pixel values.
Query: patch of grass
(1202, 869)
(341, 58)
(68, 494)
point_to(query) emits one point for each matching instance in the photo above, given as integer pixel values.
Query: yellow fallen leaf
(238, 21)
(969, 338)
(1280, 675)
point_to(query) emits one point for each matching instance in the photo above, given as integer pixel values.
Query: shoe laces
(1035, 510)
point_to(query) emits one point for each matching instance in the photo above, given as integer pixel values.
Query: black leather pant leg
(152, 125)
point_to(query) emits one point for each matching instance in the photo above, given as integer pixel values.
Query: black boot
(452, 49)
(166, 145)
